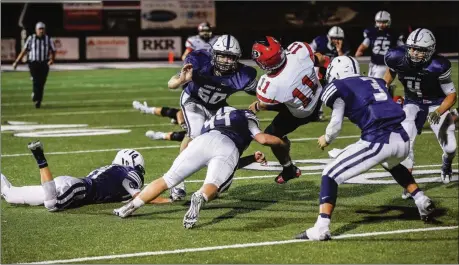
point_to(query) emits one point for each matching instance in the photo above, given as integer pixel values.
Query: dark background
(247, 20)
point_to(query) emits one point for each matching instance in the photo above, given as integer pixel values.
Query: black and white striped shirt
(38, 48)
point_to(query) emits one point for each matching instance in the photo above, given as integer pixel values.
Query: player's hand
(339, 45)
(434, 117)
(50, 62)
(186, 73)
(15, 64)
(322, 142)
(254, 107)
(260, 157)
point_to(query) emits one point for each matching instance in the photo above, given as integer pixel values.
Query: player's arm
(132, 184)
(264, 138)
(189, 47)
(321, 60)
(364, 45)
(390, 74)
(448, 88)
(181, 78)
(251, 83)
(247, 160)
(23, 52)
(335, 124)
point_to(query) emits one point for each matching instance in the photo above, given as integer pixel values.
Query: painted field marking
(235, 246)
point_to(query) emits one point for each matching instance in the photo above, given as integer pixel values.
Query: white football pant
(444, 131)
(213, 149)
(361, 156)
(377, 71)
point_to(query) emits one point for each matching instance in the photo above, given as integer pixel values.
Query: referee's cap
(40, 25)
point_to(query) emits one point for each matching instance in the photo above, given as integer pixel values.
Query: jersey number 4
(218, 119)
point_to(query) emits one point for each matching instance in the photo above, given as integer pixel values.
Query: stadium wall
(288, 21)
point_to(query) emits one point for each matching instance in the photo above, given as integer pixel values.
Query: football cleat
(174, 121)
(287, 175)
(125, 211)
(405, 194)
(446, 171)
(177, 194)
(155, 135)
(315, 233)
(192, 215)
(425, 207)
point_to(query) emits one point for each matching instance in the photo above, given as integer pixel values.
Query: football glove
(434, 117)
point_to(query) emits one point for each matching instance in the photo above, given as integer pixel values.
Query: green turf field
(255, 210)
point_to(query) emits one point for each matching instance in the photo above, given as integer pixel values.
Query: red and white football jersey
(196, 43)
(296, 84)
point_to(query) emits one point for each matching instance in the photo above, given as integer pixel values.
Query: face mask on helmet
(225, 62)
(419, 55)
(205, 35)
(382, 24)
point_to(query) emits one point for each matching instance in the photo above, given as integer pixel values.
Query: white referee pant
(213, 149)
(361, 156)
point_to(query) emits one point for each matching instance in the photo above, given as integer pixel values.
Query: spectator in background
(41, 53)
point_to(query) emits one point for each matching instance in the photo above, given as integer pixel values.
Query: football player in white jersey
(291, 87)
(202, 41)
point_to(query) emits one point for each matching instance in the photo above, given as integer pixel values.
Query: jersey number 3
(380, 95)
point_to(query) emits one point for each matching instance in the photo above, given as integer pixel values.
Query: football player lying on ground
(366, 102)
(116, 182)
(176, 116)
(224, 137)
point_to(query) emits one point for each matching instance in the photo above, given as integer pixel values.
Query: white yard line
(94, 151)
(236, 246)
(87, 101)
(155, 147)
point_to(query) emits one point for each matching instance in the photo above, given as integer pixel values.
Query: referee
(41, 53)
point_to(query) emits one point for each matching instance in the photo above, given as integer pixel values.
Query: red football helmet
(268, 54)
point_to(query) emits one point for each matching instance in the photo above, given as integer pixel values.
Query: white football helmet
(342, 67)
(421, 45)
(131, 158)
(226, 53)
(382, 19)
(335, 33)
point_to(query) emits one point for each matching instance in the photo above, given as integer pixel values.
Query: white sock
(322, 222)
(31, 195)
(137, 202)
(181, 185)
(418, 195)
(164, 135)
(153, 110)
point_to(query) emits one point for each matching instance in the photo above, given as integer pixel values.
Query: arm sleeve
(400, 40)
(253, 128)
(366, 42)
(446, 82)
(251, 88)
(336, 121)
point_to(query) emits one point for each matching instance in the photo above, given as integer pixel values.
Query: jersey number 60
(208, 97)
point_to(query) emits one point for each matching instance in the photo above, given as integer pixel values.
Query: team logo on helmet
(255, 54)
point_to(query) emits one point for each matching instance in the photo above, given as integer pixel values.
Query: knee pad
(169, 112)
